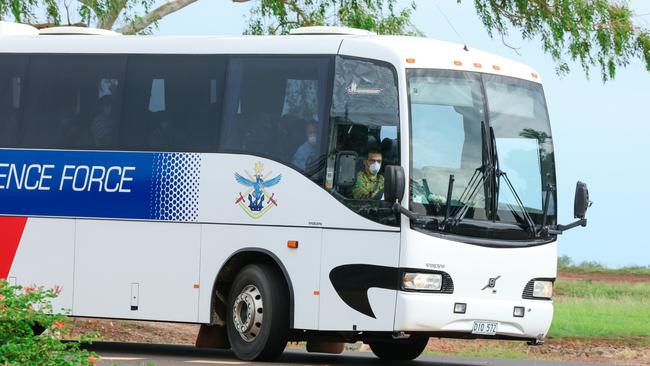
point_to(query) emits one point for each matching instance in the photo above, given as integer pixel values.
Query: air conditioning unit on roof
(74, 31)
(331, 31)
(17, 29)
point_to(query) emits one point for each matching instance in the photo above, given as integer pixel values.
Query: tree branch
(154, 16)
(50, 25)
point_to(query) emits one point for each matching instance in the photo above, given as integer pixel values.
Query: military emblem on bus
(257, 199)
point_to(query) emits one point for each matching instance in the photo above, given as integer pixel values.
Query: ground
(615, 301)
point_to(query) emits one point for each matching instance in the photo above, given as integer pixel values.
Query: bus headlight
(543, 289)
(422, 281)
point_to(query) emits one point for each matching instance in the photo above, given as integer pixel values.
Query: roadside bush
(564, 262)
(27, 311)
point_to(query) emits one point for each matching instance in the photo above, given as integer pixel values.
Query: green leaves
(594, 33)
(22, 312)
(380, 16)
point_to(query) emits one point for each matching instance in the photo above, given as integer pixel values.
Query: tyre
(399, 350)
(258, 313)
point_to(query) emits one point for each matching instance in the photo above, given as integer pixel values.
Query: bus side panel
(45, 257)
(302, 264)
(359, 280)
(137, 270)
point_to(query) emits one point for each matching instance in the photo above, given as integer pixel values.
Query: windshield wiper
(498, 173)
(469, 193)
(474, 184)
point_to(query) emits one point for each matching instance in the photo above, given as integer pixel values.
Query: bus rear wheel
(399, 350)
(258, 316)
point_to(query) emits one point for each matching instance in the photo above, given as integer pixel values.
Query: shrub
(23, 311)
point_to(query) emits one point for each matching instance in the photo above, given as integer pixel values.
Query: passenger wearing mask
(370, 183)
(307, 154)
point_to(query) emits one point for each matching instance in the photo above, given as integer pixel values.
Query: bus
(328, 186)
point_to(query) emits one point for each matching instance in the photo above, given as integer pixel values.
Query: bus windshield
(492, 134)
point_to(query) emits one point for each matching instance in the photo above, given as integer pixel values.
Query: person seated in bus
(307, 154)
(8, 123)
(369, 184)
(65, 133)
(104, 126)
(161, 136)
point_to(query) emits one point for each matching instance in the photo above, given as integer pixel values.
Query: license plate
(485, 328)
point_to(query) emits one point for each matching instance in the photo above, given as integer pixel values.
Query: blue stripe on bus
(128, 185)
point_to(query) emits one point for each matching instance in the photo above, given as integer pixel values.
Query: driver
(369, 182)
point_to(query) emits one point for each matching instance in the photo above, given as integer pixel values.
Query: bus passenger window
(171, 103)
(276, 107)
(67, 102)
(12, 76)
(364, 119)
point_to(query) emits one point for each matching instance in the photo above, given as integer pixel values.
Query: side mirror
(346, 169)
(581, 201)
(394, 183)
(580, 205)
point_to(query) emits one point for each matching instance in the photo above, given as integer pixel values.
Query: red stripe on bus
(11, 230)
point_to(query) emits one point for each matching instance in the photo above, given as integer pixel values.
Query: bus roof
(402, 51)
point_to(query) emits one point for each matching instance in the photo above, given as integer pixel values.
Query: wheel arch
(235, 262)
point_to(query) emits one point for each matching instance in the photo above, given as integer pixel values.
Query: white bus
(212, 180)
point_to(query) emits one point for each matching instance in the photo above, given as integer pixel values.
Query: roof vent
(331, 30)
(73, 31)
(17, 29)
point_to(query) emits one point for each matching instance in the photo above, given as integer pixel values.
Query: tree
(380, 16)
(594, 33)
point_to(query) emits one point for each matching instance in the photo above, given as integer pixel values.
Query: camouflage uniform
(367, 186)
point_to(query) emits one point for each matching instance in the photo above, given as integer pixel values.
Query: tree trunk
(153, 16)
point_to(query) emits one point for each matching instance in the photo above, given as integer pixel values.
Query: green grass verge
(601, 290)
(600, 318)
(586, 309)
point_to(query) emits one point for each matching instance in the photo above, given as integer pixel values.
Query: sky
(601, 131)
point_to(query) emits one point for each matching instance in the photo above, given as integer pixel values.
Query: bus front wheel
(258, 317)
(399, 350)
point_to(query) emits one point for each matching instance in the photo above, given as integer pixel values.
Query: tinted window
(172, 103)
(272, 105)
(364, 119)
(12, 80)
(73, 101)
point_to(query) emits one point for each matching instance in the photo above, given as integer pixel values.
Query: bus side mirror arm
(394, 184)
(399, 209)
(562, 228)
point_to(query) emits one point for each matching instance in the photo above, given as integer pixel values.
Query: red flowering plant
(30, 331)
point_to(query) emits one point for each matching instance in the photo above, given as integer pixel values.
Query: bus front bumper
(434, 313)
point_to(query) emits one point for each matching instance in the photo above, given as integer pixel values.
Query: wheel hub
(248, 312)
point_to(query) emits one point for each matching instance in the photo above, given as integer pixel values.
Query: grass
(601, 290)
(586, 309)
(600, 318)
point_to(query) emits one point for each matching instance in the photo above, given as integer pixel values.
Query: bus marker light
(458, 63)
(534, 75)
(496, 67)
(410, 60)
(477, 65)
(196, 285)
(316, 292)
(293, 244)
(519, 312)
(460, 308)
